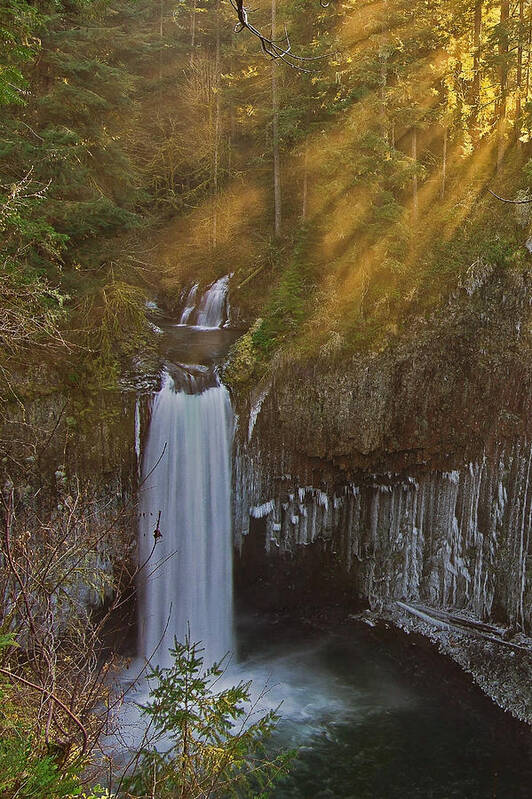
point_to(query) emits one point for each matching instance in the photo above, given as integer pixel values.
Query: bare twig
(276, 49)
(513, 202)
(55, 699)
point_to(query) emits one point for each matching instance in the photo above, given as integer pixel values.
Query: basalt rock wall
(410, 466)
(69, 468)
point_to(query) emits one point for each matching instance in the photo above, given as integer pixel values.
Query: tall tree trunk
(414, 179)
(230, 137)
(529, 49)
(528, 53)
(384, 80)
(503, 79)
(216, 158)
(305, 184)
(477, 30)
(444, 164)
(519, 73)
(275, 135)
(193, 33)
(161, 32)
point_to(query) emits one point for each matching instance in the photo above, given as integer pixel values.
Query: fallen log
(449, 621)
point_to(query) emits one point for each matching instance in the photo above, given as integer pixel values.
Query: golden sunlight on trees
(343, 163)
(355, 138)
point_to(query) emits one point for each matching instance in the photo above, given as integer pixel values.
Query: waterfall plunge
(187, 472)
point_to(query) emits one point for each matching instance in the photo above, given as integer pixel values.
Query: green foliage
(243, 359)
(28, 238)
(32, 311)
(527, 171)
(24, 774)
(116, 329)
(123, 323)
(210, 743)
(89, 219)
(20, 23)
(68, 182)
(288, 304)
(448, 260)
(125, 115)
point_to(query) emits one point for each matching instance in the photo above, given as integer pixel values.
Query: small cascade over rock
(185, 517)
(212, 310)
(192, 379)
(190, 305)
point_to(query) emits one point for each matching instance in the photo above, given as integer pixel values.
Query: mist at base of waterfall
(290, 680)
(371, 716)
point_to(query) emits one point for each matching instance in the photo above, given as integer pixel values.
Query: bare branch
(276, 49)
(55, 699)
(512, 202)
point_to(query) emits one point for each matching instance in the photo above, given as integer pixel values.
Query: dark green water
(375, 717)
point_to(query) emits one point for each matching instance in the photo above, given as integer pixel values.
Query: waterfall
(185, 521)
(190, 305)
(212, 310)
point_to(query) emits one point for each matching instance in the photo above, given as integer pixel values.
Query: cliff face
(70, 460)
(411, 465)
(55, 440)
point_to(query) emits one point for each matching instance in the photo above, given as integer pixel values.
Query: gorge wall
(69, 467)
(410, 467)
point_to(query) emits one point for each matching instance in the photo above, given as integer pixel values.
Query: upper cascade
(190, 305)
(212, 311)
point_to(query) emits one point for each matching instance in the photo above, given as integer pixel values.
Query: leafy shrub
(243, 358)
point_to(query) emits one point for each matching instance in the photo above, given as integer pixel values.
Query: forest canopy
(146, 143)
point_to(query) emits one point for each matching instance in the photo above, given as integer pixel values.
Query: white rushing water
(190, 305)
(212, 308)
(187, 581)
